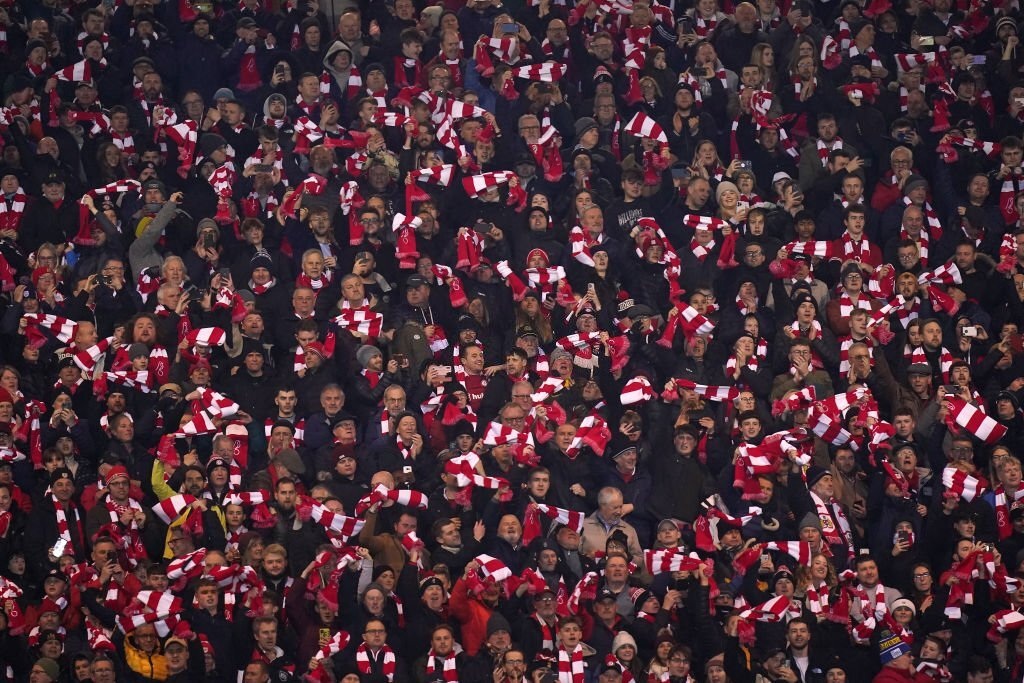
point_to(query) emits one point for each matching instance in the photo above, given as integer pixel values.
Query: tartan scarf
(450, 672)
(365, 666)
(570, 665)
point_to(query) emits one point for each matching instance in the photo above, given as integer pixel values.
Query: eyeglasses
(752, 254)
(922, 575)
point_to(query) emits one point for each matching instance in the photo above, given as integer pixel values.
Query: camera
(969, 331)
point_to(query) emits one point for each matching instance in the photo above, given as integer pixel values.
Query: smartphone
(263, 168)
(224, 273)
(978, 60)
(209, 240)
(927, 40)
(951, 388)
(903, 536)
(765, 557)
(482, 227)
(59, 547)
(446, 369)
(681, 173)
(398, 358)
(279, 70)
(902, 137)
(745, 165)
(969, 331)
(510, 27)
(740, 206)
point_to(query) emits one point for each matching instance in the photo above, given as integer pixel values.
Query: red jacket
(890, 675)
(472, 615)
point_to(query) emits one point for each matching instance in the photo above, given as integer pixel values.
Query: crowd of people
(604, 341)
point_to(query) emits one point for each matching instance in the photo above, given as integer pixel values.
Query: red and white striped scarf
(1007, 196)
(450, 672)
(870, 52)
(824, 150)
(922, 243)
(63, 528)
(904, 97)
(827, 512)
(798, 86)
(817, 598)
(905, 314)
(859, 251)
(316, 285)
(945, 360)
(12, 210)
(1003, 525)
(387, 663)
(570, 665)
(702, 27)
(844, 352)
(701, 251)
(934, 226)
(262, 289)
(123, 141)
(873, 611)
(547, 633)
(846, 304)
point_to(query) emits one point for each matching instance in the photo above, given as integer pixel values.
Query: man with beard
(507, 544)
(299, 538)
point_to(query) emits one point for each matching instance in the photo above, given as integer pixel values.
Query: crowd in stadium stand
(471, 341)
